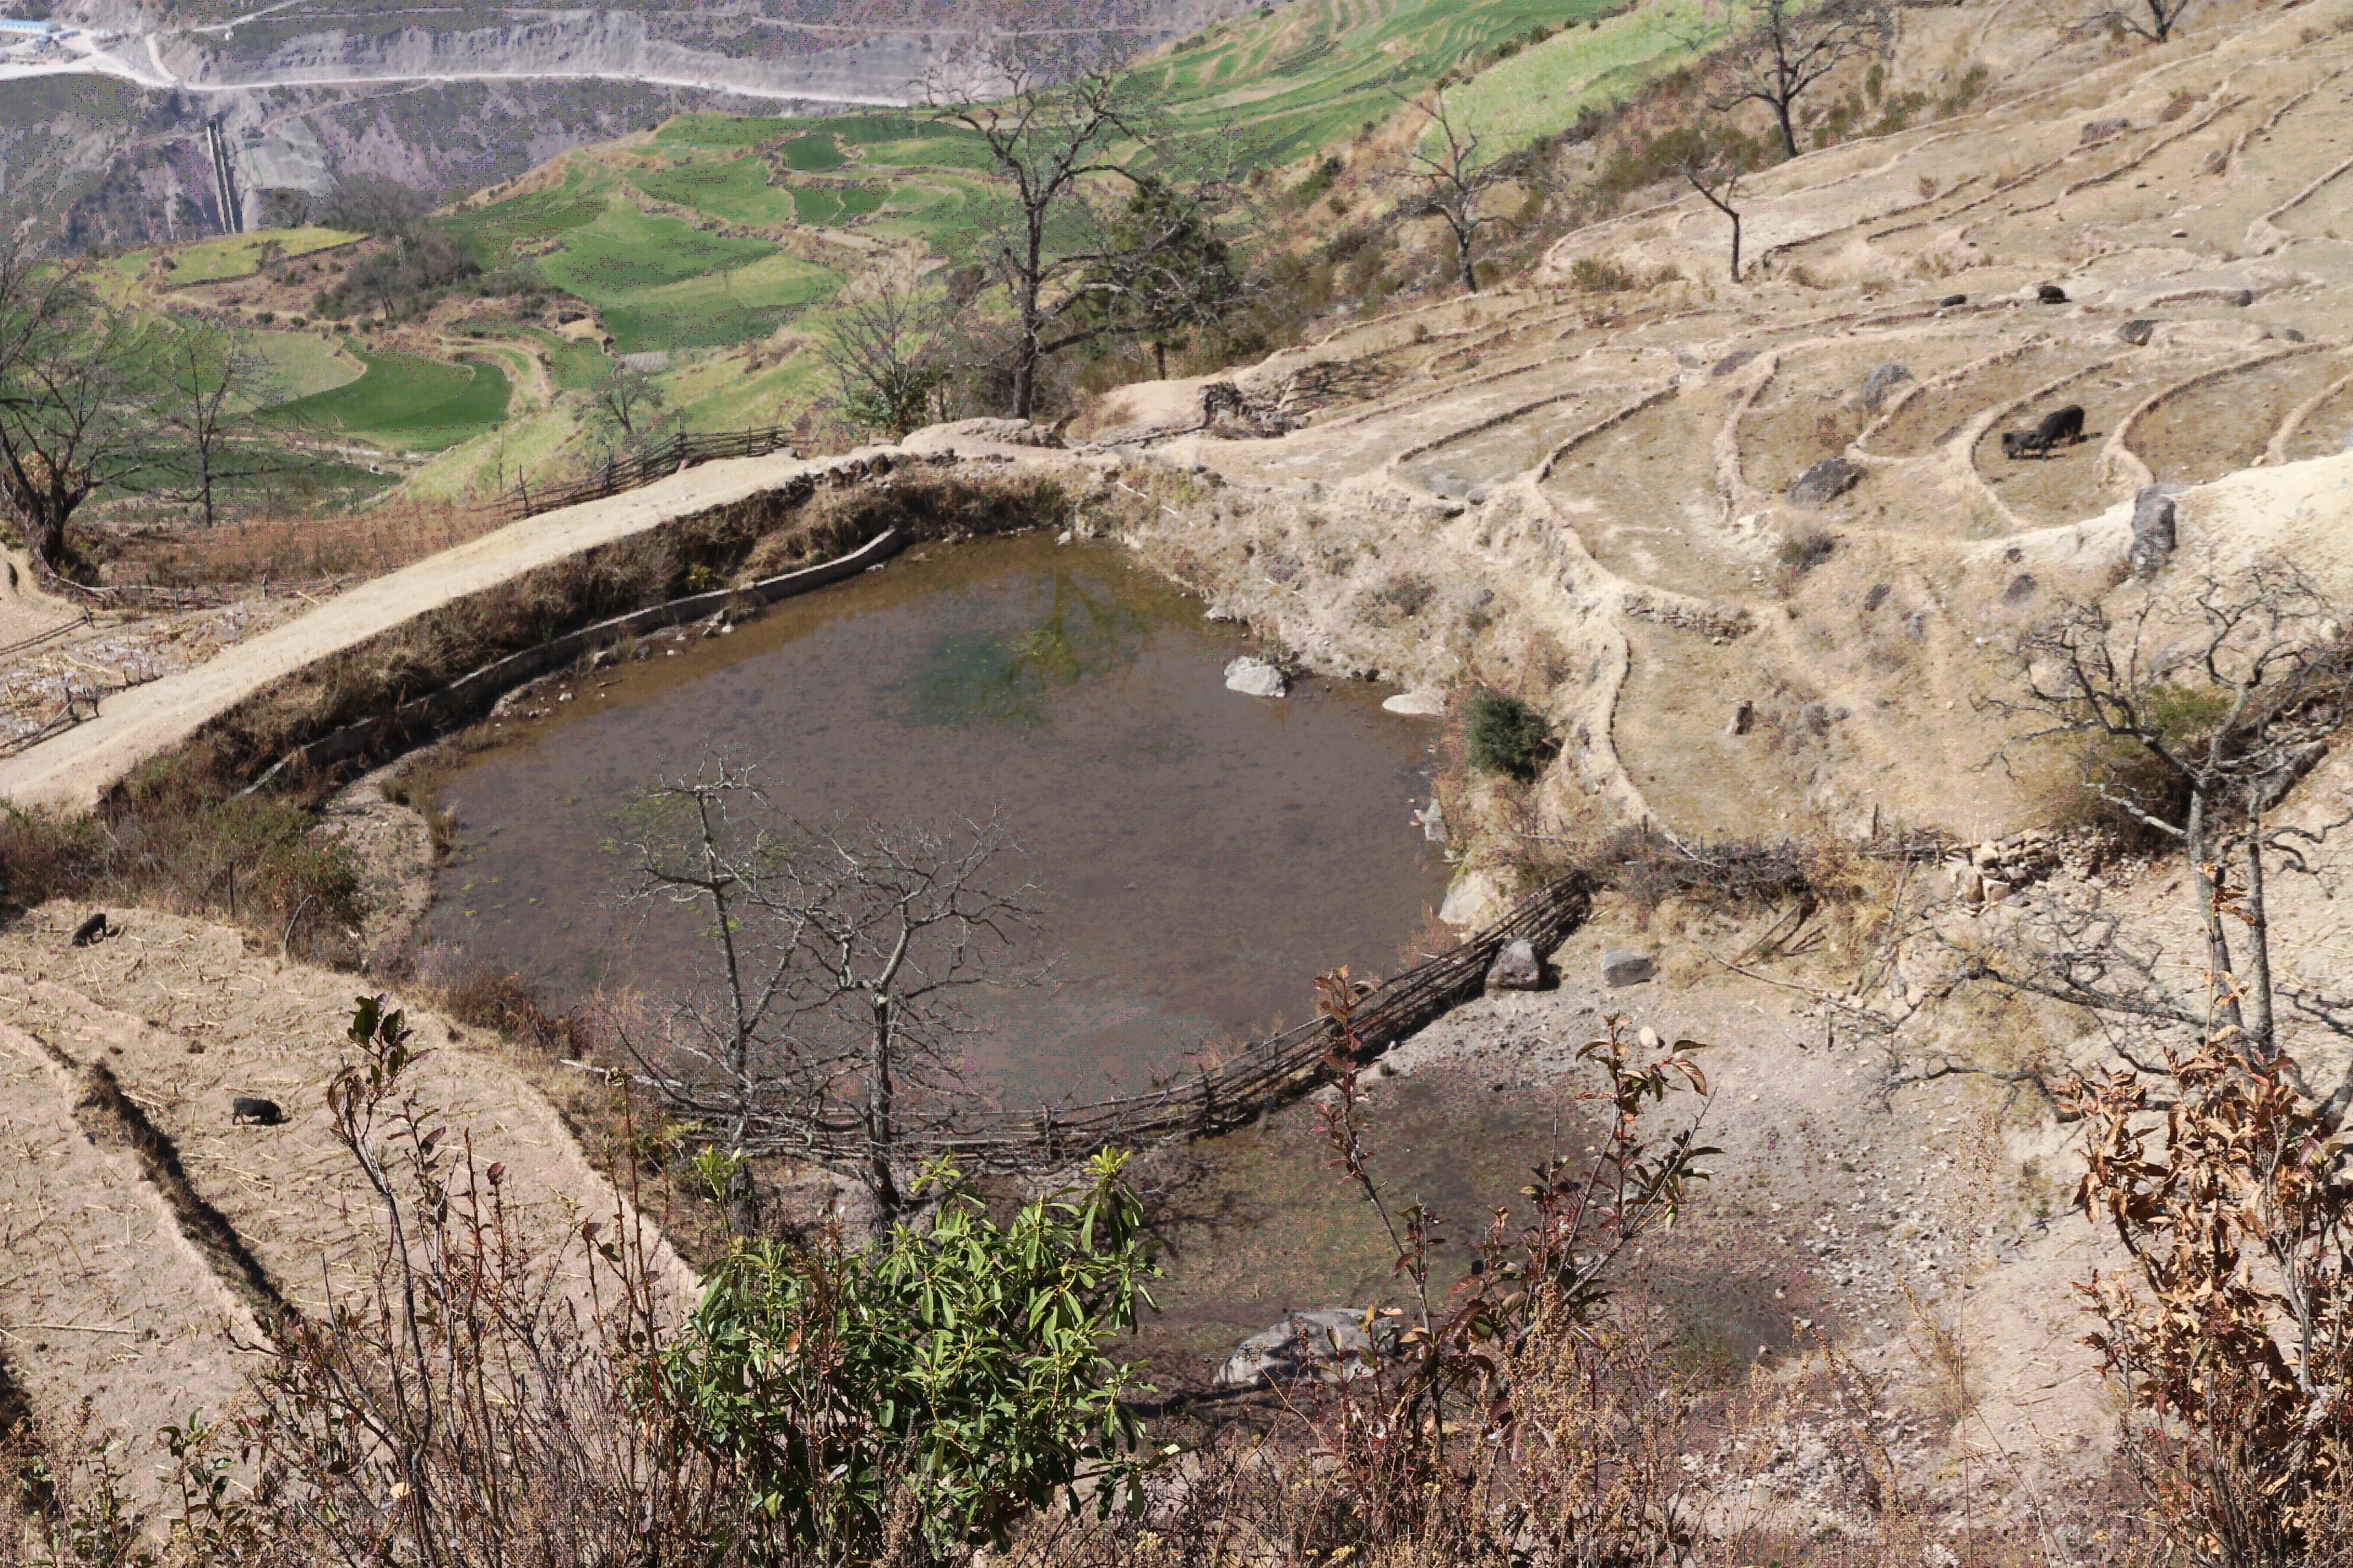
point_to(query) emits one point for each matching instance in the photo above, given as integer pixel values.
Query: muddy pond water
(1200, 855)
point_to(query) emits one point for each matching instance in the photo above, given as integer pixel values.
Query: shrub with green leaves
(1505, 735)
(958, 1368)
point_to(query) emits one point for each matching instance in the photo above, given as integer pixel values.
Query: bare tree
(2151, 20)
(1058, 133)
(827, 1017)
(74, 396)
(209, 388)
(1713, 160)
(2195, 714)
(888, 359)
(1787, 46)
(1451, 183)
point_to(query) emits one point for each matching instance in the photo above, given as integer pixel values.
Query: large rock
(1327, 1343)
(1627, 967)
(1416, 704)
(1516, 967)
(1878, 385)
(1255, 678)
(1825, 481)
(2154, 530)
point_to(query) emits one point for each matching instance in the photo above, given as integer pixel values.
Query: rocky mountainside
(107, 143)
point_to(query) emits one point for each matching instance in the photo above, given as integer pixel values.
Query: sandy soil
(139, 1260)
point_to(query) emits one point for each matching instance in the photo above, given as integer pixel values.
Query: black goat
(263, 1112)
(2062, 425)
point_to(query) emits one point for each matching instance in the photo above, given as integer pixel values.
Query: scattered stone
(2291, 334)
(1476, 495)
(1825, 481)
(2155, 531)
(1816, 716)
(2022, 587)
(1949, 301)
(1326, 1343)
(1877, 596)
(1996, 890)
(1878, 384)
(1516, 968)
(1065, 537)
(1732, 362)
(1432, 822)
(1970, 885)
(1648, 1038)
(2101, 129)
(2051, 294)
(1627, 967)
(1254, 677)
(1744, 717)
(2137, 333)
(1415, 704)
(2239, 297)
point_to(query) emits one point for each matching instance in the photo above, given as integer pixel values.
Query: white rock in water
(1415, 704)
(1256, 677)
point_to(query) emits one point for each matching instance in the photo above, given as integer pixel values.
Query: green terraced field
(572, 364)
(736, 189)
(297, 365)
(715, 310)
(405, 401)
(490, 233)
(231, 255)
(1316, 70)
(624, 250)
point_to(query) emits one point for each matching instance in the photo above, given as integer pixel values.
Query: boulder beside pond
(1516, 967)
(1327, 1343)
(1255, 678)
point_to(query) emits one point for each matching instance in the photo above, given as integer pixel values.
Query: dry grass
(298, 549)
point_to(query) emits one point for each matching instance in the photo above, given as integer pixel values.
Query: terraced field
(406, 402)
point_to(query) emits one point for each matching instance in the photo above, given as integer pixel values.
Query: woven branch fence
(1224, 1094)
(679, 453)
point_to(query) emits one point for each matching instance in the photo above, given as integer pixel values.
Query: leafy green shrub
(1505, 735)
(963, 1363)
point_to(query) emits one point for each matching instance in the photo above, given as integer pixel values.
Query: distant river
(1201, 854)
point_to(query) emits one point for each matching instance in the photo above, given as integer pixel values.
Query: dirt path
(73, 769)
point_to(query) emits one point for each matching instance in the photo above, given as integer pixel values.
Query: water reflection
(1202, 855)
(1005, 675)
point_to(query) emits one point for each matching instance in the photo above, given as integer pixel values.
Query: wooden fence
(1221, 1095)
(680, 452)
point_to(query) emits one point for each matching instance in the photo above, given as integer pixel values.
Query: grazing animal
(2051, 294)
(260, 1112)
(2061, 425)
(90, 929)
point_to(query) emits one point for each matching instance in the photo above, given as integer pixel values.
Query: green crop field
(296, 365)
(1310, 74)
(405, 401)
(716, 309)
(625, 250)
(490, 233)
(736, 189)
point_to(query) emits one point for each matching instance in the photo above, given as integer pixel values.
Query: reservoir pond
(1199, 855)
